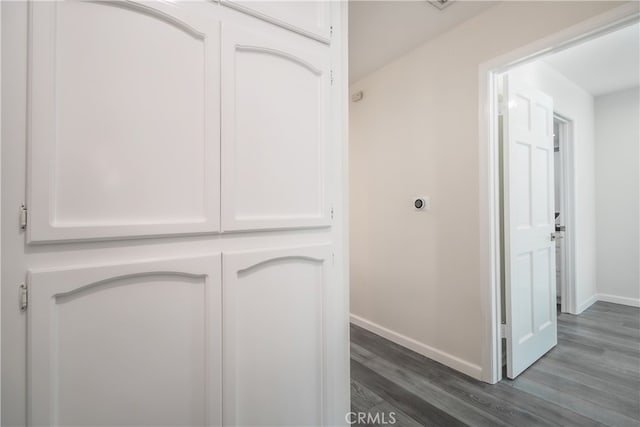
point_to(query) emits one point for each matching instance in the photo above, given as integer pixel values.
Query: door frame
(488, 156)
(567, 205)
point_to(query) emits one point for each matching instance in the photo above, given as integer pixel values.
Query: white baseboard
(454, 362)
(633, 302)
(586, 304)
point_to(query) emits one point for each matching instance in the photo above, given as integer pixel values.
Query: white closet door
(124, 120)
(273, 337)
(126, 345)
(310, 18)
(275, 138)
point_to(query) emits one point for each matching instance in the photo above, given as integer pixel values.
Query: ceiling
(602, 65)
(381, 31)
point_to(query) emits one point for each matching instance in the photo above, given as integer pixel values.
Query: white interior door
(529, 226)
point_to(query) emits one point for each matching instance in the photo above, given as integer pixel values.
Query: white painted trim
(340, 59)
(489, 225)
(586, 304)
(0, 204)
(631, 302)
(489, 249)
(447, 359)
(615, 299)
(568, 268)
(338, 356)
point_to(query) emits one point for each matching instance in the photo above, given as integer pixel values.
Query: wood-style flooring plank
(415, 407)
(591, 378)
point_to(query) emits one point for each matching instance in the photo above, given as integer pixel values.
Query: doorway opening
(548, 208)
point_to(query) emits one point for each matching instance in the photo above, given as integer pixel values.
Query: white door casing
(126, 344)
(529, 224)
(275, 371)
(124, 138)
(275, 163)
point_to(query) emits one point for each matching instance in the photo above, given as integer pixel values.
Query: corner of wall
(632, 302)
(580, 307)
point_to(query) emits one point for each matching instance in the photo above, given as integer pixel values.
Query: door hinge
(331, 213)
(503, 330)
(24, 297)
(331, 31)
(23, 217)
(331, 77)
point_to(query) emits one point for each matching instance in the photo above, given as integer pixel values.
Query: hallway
(591, 378)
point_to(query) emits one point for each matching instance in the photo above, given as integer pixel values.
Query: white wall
(617, 130)
(574, 103)
(416, 275)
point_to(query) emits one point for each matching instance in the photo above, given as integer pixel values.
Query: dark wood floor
(591, 378)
